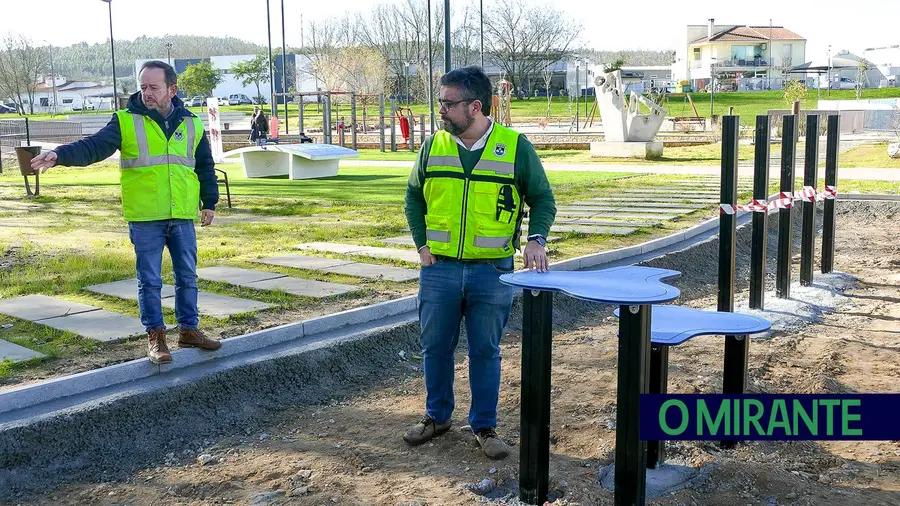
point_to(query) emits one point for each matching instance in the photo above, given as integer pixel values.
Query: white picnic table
(297, 161)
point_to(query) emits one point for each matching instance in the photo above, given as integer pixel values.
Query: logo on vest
(179, 135)
(499, 150)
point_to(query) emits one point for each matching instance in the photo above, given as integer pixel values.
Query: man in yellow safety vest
(464, 205)
(166, 171)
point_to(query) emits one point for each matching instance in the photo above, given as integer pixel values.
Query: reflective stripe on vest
(145, 160)
(472, 215)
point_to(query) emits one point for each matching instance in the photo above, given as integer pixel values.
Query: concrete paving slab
(126, 289)
(621, 215)
(100, 325)
(39, 307)
(403, 240)
(235, 275)
(302, 287)
(221, 306)
(302, 262)
(372, 271)
(674, 192)
(351, 249)
(15, 353)
(635, 203)
(592, 230)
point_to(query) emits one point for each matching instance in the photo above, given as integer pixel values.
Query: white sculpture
(625, 122)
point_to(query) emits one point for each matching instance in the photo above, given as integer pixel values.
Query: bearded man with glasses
(464, 205)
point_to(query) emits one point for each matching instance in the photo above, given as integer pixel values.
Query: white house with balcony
(739, 57)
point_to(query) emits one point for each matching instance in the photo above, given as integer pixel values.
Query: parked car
(239, 99)
(6, 109)
(195, 101)
(223, 101)
(845, 83)
(83, 105)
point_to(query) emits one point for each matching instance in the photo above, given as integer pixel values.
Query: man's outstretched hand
(43, 161)
(536, 257)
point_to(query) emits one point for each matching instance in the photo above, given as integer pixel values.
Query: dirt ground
(350, 451)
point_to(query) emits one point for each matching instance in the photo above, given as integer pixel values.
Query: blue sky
(843, 24)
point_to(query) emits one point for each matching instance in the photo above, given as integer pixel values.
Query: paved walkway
(867, 174)
(82, 319)
(209, 304)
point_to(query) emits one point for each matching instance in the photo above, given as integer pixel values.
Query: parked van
(239, 99)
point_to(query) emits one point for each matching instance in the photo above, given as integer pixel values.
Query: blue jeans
(149, 238)
(448, 291)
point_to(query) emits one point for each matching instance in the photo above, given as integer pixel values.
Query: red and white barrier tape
(785, 200)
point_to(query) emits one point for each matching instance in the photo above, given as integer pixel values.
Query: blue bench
(674, 325)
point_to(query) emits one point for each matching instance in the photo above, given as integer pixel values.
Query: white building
(70, 96)
(741, 57)
(887, 60)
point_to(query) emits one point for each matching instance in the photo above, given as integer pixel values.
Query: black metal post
(326, 119)
(381, 121)
(832, 141)
(27, 132)
(412, 133)
(353, 120)
(659, 379)
(810, 169)
(785, 247)
(728, 217)
(534, 455)
(759, 236)
(734, 370)
(634, 369)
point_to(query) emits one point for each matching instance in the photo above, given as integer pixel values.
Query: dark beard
(457, 128)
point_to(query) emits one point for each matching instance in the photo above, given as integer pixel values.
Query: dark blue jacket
(104, 143)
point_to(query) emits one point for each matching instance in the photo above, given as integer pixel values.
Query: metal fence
(22, 132)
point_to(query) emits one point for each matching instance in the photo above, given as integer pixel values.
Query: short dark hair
(171, 76)
(473, 83)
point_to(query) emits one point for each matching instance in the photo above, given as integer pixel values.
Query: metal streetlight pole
(481, 12)
(169, 52)
(408, 101)
(585, 90)
(712, 87)
(430, 72)
(828, 90)
(112, 49)
(446, 36)
(284, 89)
(272, 108)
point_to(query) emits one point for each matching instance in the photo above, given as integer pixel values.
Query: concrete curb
(52, 390)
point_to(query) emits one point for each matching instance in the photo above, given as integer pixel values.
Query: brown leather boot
(195, 338)
(158, 349)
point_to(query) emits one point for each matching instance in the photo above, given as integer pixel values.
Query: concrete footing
(643, 150)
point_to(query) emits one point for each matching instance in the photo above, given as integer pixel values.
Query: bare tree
(547, 74)
(21, 66)
(522, 39)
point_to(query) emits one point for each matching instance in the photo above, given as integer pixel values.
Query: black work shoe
(491, 444)
(424, 431)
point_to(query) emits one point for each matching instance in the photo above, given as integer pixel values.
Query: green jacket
(530, 181)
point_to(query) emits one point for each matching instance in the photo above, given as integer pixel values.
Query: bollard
(734, 369)
(808, 232)
(659, 384)
(727, 214)
(760, 192)
(534, 464)
(783, 261)
(832, 141)
(381, 122)
(353, 120)
(633, 360)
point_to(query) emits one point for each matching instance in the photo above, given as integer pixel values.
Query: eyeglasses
(448, 104)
